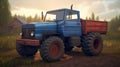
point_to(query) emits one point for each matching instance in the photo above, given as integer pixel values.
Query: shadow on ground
(73, 59)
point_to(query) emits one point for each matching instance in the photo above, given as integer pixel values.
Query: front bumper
(29, 42)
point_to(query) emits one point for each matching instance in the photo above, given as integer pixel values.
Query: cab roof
(64, 9)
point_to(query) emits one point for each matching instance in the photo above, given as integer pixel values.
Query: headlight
(32, 34)
(21, 34)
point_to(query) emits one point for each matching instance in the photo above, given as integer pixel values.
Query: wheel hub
(54, 50)
(96, 44)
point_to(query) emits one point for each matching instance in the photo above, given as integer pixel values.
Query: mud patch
(37, 57)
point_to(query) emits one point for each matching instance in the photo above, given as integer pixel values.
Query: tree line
(29, 19)
(38, 18)
(114, 24)
(93, 17)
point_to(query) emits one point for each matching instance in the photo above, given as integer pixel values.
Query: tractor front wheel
(52, 49)
(26, 51)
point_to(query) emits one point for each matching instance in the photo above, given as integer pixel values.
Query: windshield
(71, 15)
(54, 16)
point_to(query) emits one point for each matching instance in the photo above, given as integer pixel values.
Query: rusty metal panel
(94, 26)
(29, 42)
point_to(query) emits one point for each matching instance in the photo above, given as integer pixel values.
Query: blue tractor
(60, 31)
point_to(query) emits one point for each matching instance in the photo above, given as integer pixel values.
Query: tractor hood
(41, 28)
(45, 27)
(38, 24)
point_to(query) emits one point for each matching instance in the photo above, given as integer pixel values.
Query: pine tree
(97, 18)
(115, 24)
(29, 19)
(86, 18)
(5, 14)
(90, 18)
(35, 17)
(24, 17)
(93, 16)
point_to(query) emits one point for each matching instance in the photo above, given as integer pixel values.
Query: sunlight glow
(26, 11)
(84, 10)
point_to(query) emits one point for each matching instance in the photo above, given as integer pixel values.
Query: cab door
(72, 26)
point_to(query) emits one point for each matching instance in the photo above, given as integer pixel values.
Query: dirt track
(78, 59)
(73, 59)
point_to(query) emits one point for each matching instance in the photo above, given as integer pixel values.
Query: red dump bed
(94, 26)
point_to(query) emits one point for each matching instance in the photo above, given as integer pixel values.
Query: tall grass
(8, 42)
(112, 42)
(112, 36)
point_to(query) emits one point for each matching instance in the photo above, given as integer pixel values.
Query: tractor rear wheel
(52, 49)
(26, 51)
(92, 44)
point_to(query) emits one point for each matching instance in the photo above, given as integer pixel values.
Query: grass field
(7, 42)
(111, 43)
(10, 58)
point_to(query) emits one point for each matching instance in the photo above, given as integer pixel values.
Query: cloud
(97, 7)
(102, 8)
(87, 7)
(112, 9)
(48, 4)
(114, 5)
(26, 11)
(41, 4)
(109, 14)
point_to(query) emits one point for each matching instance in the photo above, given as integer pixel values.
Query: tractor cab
(67, 21)
(62, 15)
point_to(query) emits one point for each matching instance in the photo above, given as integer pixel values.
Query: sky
(105, 9)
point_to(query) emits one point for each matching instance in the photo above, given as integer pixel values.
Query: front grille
(26, 33)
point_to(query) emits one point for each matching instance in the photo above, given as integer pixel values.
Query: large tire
(92, 44)
(52, 49)
(26, 51)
